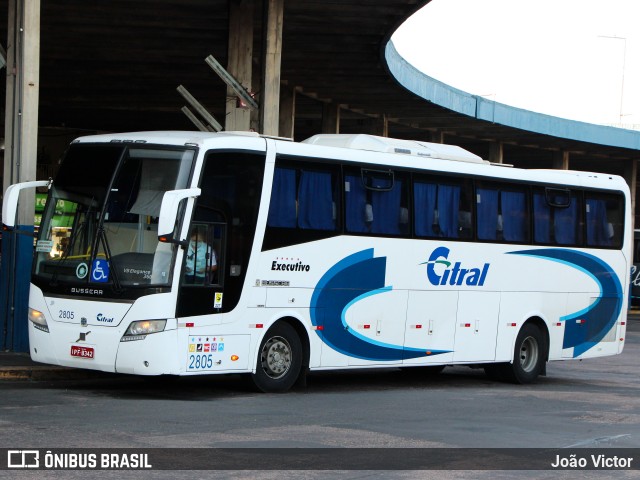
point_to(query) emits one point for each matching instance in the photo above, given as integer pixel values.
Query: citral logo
(102, 318)
(441, 272)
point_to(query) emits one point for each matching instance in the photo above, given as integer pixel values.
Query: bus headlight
(38, 319)
(145, 327)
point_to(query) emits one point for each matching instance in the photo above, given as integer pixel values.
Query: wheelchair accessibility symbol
(100, 271)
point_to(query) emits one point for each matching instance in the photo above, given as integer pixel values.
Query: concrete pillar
(496, 152)
(380, 126)
(240, 55)
(436, 136)
(330, 117)
(287, 112)
(270, 92)
(21, 148)
(561, 160)
(255, 115)
(631, 176)
(21, 113)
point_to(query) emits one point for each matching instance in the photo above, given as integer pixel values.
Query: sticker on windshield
(217, 301)
(44, 246)
(100, 271)
(82, 270)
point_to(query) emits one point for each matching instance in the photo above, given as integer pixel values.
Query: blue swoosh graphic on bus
(349, 281)
(602, 314)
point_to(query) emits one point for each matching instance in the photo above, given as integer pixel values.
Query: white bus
(201, 253)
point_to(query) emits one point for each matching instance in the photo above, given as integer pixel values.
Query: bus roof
(393, 145)
(407, 149)
(162, 137)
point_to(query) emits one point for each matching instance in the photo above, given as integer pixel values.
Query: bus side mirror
(169, 212)
(10, 202)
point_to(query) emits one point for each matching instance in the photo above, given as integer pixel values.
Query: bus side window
(201, 263)
(557, 216)
(515, 216)
(424, 203)
(604, 219)
(541, 218)
(355, 196)
(283, 210)
(386, 210)
(502, 213)
(449, 210)
(376, 202)
(316, 206)
(566, 223)
(302, 199)
(487, 211)
(442, 208)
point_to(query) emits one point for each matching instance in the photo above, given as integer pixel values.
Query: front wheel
(279, 359)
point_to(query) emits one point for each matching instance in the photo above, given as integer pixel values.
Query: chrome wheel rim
(276, 357)
(529, 354)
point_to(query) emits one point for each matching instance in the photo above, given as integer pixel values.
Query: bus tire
(529, 356)
(279, 359)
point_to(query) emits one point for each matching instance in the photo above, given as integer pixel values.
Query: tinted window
(503, 212)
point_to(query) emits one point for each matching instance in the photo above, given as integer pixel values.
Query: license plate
(82, 352)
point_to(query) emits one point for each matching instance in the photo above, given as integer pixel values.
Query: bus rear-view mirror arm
(169, 211)
(10, 202)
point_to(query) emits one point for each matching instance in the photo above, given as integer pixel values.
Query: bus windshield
(99, 225)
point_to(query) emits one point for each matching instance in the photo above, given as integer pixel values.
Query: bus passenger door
(431, 327)
(476, 326)
(202, 282)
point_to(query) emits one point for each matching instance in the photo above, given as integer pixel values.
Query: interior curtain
(487, 208)
(448, 207)
(565, 221)
(514, 216)
(541, 218)
(386, 210)
(424, 199)
(315, 201)
(597, 223)
(282, 209)
(356, 203)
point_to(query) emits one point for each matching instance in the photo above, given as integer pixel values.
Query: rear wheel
(529, 357)
(279, 359)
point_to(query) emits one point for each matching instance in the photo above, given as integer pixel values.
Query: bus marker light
(367, 327)
(318, 327)
(623, 323)
(418, 326)
(234, 358)
(428, 352)
(580, 321)
(190, 324)
(559, 324)
(512, 324)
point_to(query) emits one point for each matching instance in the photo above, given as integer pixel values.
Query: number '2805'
(202, 361)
